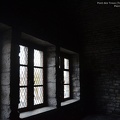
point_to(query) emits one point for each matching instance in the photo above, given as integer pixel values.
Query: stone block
(5, 95)
(51, 90)
(5, 112)
(51, 62)
(51, 77)
(51, 54)
(76, 89)
(5, 78)
(52, 102)
(5, 63)
(51, 49)
(117, 105)
(6, 47)
(118, 97)
(76, 83)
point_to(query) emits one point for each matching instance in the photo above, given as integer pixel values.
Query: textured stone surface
(5, 78)
(5, 112)
(5, 75)
(52, 101)
(102, 117)
(5, 95)
(6, 62)
(52, 90)
(51, 74)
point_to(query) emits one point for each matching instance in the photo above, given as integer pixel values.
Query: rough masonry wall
(100, 58)
(5, 75)
(51, 76)
(76, 76)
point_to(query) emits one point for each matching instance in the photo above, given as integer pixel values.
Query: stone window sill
(69, 102)
(45, 109)
(35, 112)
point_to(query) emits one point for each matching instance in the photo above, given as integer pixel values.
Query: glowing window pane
(23, 55)
(23, 97)
(23, 76)
(38, 95)
(66, 63)
(66, 91)
(38, 76)
(66, 77)
(38, 58)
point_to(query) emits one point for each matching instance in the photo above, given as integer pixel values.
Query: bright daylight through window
(30, 86)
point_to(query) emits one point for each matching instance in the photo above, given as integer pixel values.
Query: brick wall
(100, 58)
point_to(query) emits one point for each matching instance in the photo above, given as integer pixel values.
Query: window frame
(62, 57)
(30, 93)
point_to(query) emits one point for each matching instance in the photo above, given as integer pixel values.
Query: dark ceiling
(45, 19)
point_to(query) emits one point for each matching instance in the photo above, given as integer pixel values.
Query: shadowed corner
(0, 67)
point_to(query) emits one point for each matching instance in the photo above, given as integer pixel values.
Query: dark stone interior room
(60, 60)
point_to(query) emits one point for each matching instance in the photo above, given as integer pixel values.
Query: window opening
(38, 77)
(31, 78)
(66, 78)
(23, 76)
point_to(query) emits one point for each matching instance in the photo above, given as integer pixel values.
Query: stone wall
(51, 76)
(100, 58)
(76, 76)
(5, 74)
(9, 73)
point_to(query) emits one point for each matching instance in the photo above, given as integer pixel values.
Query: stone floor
(102, 117)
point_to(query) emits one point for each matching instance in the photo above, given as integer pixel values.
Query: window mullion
(66, 73)
(30, 79)
(70, 79)
(62, 78)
